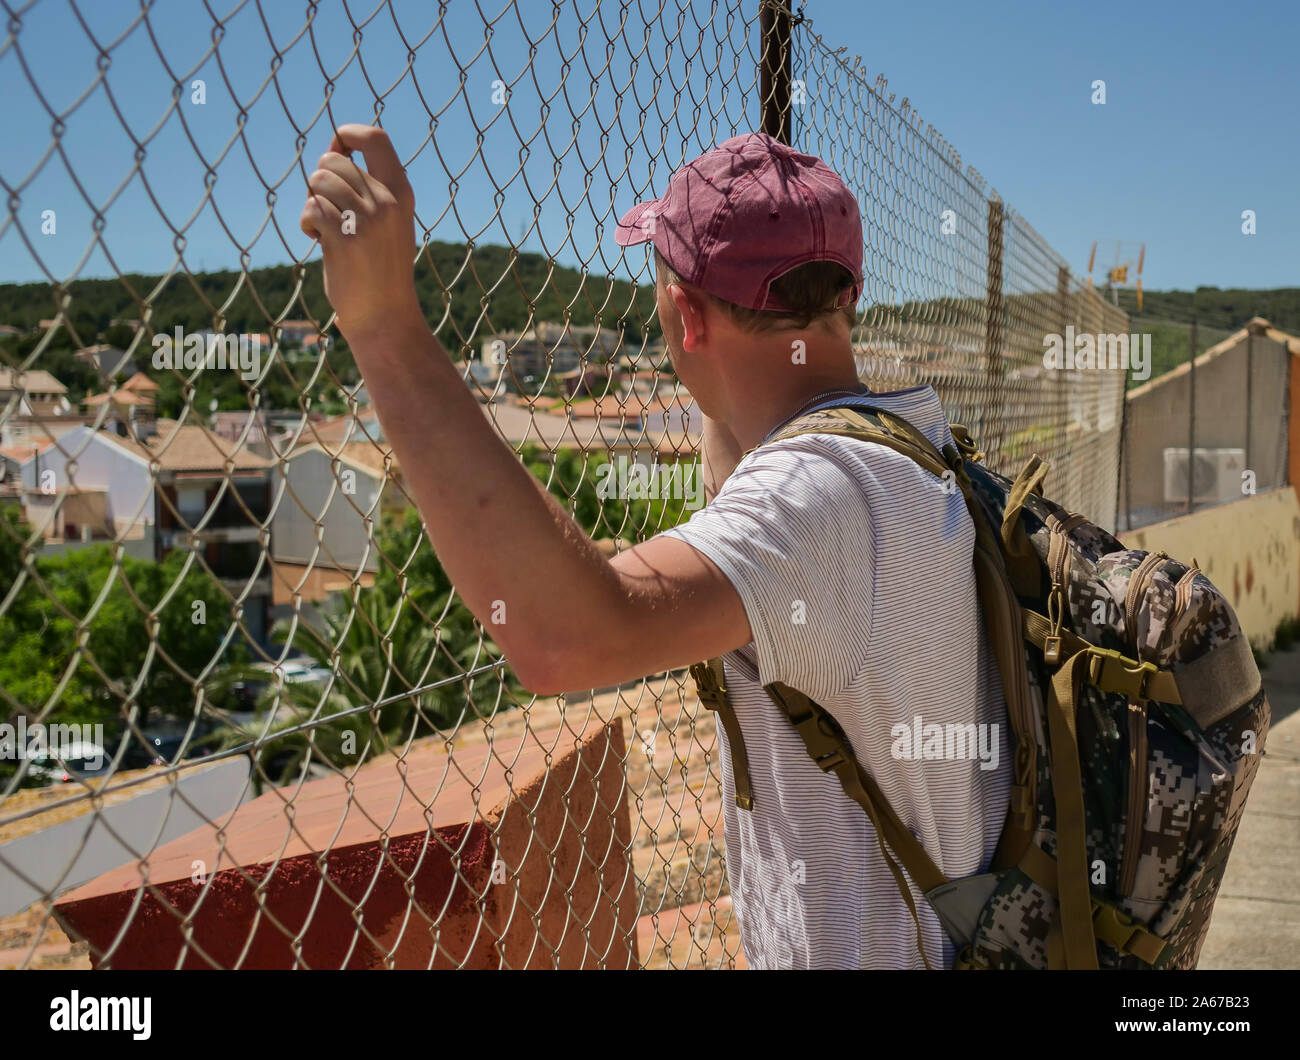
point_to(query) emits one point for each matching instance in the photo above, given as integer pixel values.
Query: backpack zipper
(1137, 796)
(1183, 591)
(1137, 734)
(1136, 587)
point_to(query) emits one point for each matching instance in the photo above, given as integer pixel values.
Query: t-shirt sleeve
(790, 530)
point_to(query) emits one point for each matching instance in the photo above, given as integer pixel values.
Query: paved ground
(1257, 917)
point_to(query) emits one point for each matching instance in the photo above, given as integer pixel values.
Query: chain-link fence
(1213, 427)
(961, 292)
(249, 721)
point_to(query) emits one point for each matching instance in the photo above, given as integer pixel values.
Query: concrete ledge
(401, 866)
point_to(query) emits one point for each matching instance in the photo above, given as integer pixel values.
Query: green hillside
(471, 293)
(1167, 316)
(478, 291)
(1225, 308)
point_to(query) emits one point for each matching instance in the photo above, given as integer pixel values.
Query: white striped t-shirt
(854, 567)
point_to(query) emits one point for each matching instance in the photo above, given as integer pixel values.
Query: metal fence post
(775, 62)
(1191, 419)
(1064, 312)
(1124, 477)
(1250, 386)
(994, 311)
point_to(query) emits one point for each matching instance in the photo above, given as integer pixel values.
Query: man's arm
(565, 616)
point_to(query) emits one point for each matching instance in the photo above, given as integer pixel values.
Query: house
(297, 332)
(527, 356)
(243, 427)
(330, 502)
(11, 477)
(157, 492)
(108, 361)
(660, 428)
(339, 430)
(586, 380)
(1230, 407)
(34, 408)
(126, 410)
(140, 383)
(31, 388)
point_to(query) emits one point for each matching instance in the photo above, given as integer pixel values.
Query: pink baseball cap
(741, 215)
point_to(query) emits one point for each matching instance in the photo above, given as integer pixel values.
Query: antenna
(1125, 271)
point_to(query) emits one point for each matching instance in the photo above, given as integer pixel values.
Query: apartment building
(36, 408)
(527, 356)
(161, 487)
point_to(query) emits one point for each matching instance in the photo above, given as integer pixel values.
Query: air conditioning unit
(1216, 475)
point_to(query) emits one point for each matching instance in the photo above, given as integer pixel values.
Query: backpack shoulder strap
(711, 685)
(998, 603)
(829, 747)
(871, 424)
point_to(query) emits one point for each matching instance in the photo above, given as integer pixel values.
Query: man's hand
(365, 224)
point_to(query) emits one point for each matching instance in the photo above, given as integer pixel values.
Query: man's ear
(690, 306)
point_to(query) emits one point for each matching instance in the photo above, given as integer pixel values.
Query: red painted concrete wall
(497, 860)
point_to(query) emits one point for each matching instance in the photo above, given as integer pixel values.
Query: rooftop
(1256, 326)
(189, 448)
(33, 380)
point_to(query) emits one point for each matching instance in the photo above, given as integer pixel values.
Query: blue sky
(1200, 122)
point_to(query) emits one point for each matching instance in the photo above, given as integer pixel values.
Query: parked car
(80, 759)
(296, 672)
(164, 744)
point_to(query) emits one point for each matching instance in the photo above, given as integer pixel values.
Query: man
(835, 566)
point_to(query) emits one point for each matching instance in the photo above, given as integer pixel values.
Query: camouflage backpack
(1138, 716)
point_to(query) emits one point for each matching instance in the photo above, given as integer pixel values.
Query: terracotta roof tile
(190, 448)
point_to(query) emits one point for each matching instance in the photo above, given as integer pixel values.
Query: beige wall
(1250, 549)
(314, 496)
(1158, 418)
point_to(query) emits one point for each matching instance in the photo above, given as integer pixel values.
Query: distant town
(308, 488)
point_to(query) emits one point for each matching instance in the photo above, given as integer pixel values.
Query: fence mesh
(961, 291)
(315, 756)
(1225, 400)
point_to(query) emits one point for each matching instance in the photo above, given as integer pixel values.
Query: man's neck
(753, 422)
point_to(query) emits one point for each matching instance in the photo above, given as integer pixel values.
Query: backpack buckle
(1116, 928)
(706, 684)
(1110, 671)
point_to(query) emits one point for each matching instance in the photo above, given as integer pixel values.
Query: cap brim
(631, 227)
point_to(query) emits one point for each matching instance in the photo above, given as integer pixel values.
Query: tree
(148, 632)
(402, 635)
(13, 532)
(575, 478)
